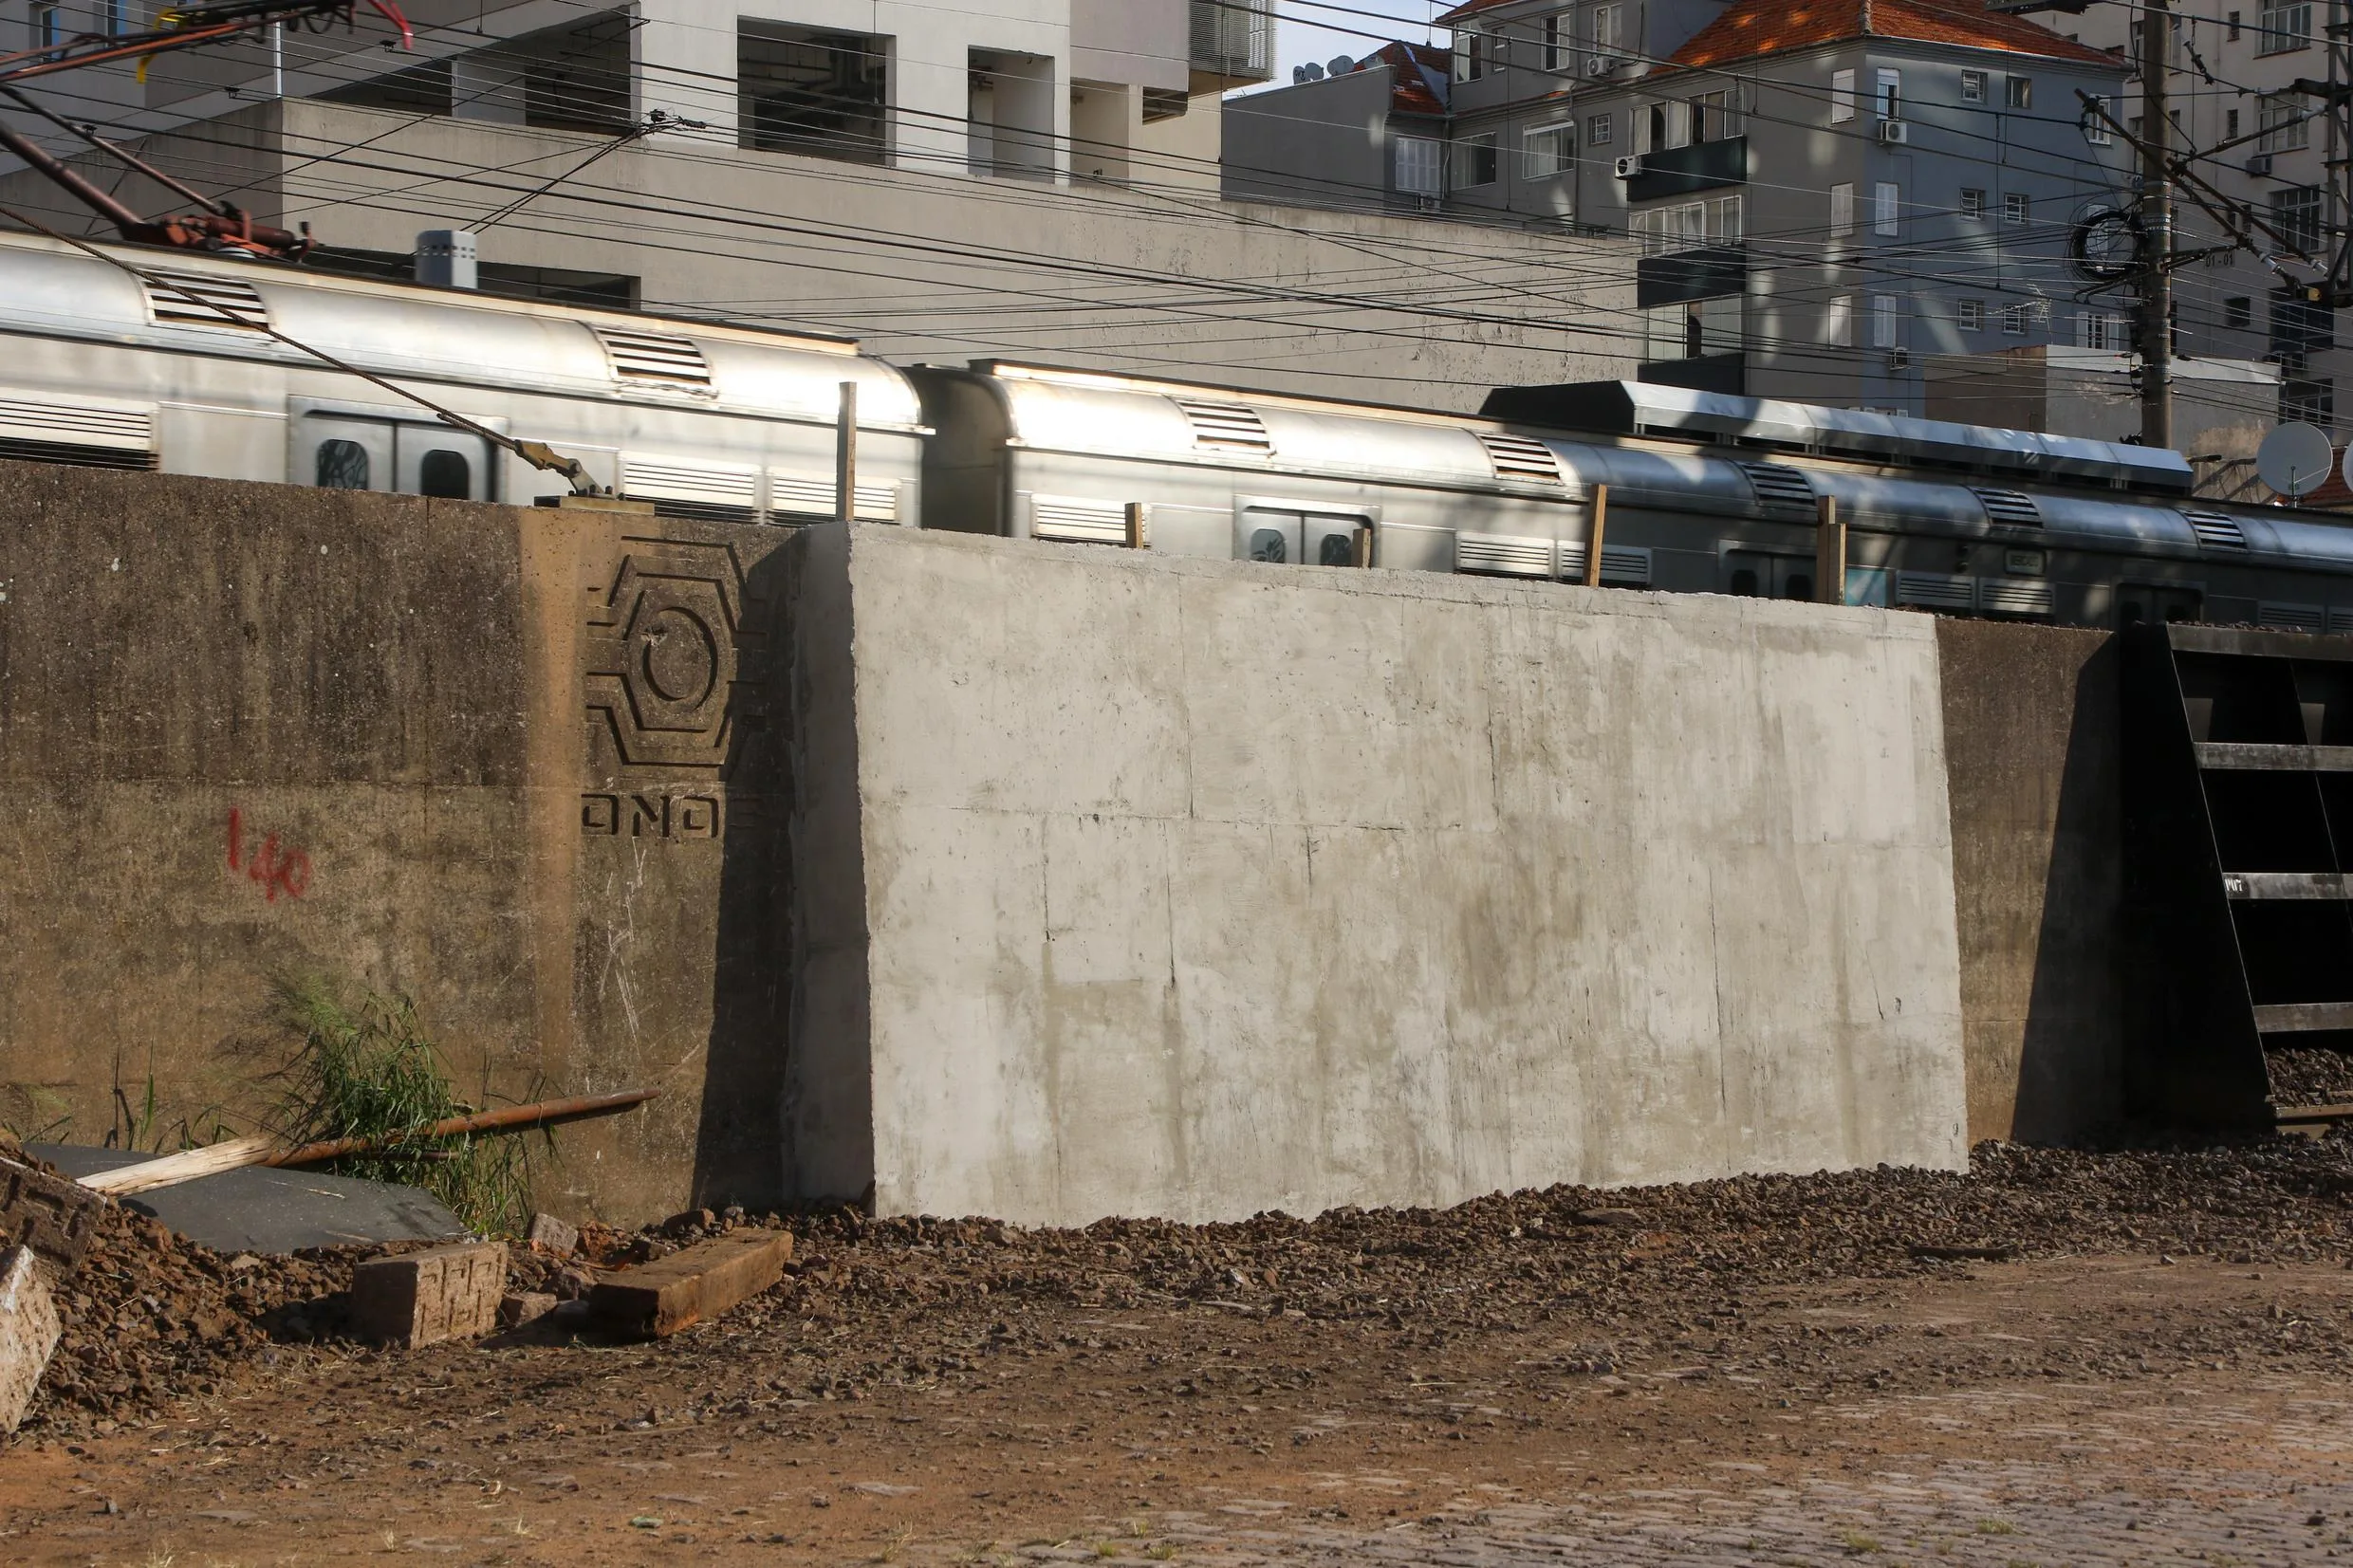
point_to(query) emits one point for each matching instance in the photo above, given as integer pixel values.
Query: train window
(1798, 585)
(342, 465)
(2136, 602)
(1744, 582)
(1336, 550)
(1268, 544)
(446, 474)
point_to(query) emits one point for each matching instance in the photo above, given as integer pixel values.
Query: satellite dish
(1342, 65)
(2294, 460)
(1299, 75)
(1315, 72)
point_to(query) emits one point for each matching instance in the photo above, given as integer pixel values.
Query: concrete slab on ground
(263, 1210)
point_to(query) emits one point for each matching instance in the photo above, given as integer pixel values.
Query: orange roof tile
(1412, 68)
(1749, 29)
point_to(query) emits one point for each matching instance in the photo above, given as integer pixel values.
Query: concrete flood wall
(1123, 884)
(508, 762)
(1130, 884)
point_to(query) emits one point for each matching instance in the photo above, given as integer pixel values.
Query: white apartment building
(1042, 89)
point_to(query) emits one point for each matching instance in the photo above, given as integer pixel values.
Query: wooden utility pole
(2157, 230)
(1830, 552)
(1593, 541)
(845, 457)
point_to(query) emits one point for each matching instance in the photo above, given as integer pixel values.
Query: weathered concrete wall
(1195, 888)
(498, 759)
(2033, 747)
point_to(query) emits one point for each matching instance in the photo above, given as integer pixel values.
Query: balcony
(1701, 274)
(1726, 373)
(1680, 170)
(1233, 44)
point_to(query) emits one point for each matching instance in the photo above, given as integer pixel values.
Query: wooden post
(1593, 543)
(1829, 553)
(1361, 545)
(845, 455)
(1138, 538)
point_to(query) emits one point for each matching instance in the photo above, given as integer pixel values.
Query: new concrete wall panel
(1324, 887)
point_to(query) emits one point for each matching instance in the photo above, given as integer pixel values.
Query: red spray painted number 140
(276, 870)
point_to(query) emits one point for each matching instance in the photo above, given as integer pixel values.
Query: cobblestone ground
(2236, 1481)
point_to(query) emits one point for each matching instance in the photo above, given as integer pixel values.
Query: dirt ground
(1788, 1369)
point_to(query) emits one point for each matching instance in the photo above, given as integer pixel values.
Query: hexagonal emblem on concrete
(664, 649)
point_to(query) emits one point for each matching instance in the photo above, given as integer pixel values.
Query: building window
(2014, 208)
(1843, 209)
(1887, 102)
(2280, 123)
(1724, 221)
(2098, 330)
(115, 17)
(1605, 28)
(1883, 321)
(1420, 166)
(2018, 91)
(2230, 27)
(2296, 214)
(1662, 127)
(2283, 29)
(1473, 55)
(1972, 202)
(1550, 150)
(1842, 97)
(1716, 116)
(1559, 34)
(2313, 401)
(2229, 124)
(47, 29)
(1885, 202)
(1972, 86)
(1597, 130)
(2238, 311)
(820, 94)
(2014, 320)
(2299, 327)
(1838, 322)
(1475, 160)
(1969, 315)
(2095, 120)
(1682, 227)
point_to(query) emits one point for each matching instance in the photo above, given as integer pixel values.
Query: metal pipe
(545, 1113)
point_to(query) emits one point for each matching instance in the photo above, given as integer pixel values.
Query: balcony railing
(1232, 43)
(1679, 171)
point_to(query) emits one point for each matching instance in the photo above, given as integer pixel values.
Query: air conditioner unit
(1630, 166)
(1601, 64)
(1894, 133)
(2259, 166)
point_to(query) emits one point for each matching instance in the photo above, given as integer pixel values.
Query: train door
(350, 452)
(1285, 534)
(1757, 574)
(2142, 601)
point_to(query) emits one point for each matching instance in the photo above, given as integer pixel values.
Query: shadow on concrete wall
(738, 1151)
(2070, 1064)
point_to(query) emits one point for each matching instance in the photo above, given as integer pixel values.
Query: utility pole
(2157, 230)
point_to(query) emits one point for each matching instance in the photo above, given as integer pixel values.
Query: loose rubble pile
(154, 1317)
(2308, 1074)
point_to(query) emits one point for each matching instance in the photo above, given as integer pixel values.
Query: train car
(1706, 494)
(702, 420)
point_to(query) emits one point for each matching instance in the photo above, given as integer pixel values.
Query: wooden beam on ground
(703, 1281)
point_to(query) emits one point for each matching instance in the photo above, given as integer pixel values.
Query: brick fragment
(518, 1307)
(28, 1332)
(550, 1234)
(699, 1282)
(55, 1217)
(440, 1293)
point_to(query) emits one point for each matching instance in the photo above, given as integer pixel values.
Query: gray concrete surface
(1195, 888)
(259, 1209)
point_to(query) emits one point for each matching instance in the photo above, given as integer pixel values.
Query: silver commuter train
(1706, 493)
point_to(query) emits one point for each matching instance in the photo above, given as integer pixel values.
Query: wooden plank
(231, 1154)
(2282, 1017)
(2314, 1113)
(1593, 544)
(1829, 553)
(2245, 756)
(2251, 886)
(703, 1281)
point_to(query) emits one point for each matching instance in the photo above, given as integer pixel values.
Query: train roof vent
(1777, 486)
(1520, 457)
(1227, 427)
(195, 299)
(652, 356)
(2010, 507)
(2216, 531)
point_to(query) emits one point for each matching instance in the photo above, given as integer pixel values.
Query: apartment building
(1826, 195)
(1054, 90)
(2231, 90)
